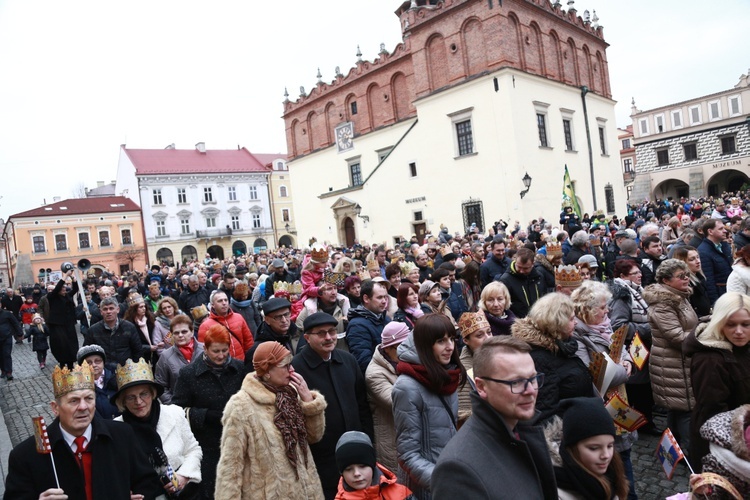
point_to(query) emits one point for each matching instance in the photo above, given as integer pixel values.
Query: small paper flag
(618, 341)
(335, 278)
(41, 436)
(639, 352)
(623, 415)
(669, 453)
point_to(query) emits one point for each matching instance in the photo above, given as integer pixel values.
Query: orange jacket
(240, 336)
(387, 489)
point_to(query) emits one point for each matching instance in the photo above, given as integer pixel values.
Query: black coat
(117, 465)
(524, 290)
(39, 335)
(492, 269)
(189, 299)
(342, 384)
(485, 461)
(205, 393)
(12, 304)
(62, 309)
(266, 334)
(9, 325)
(273, 278)
(124, 344)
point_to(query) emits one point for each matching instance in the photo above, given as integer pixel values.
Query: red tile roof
(192, 161)
(76, 206)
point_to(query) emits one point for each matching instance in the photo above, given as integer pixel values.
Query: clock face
(344, 137)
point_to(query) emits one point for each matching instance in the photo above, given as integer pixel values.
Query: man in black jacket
(524, 283)
(496, 265)
(9, 326)
(337, 376)
(498, 454)
(194, 296)
(118, 337)
(280, 274)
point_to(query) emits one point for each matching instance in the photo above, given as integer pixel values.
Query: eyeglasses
(145, 396)
(279, 317)
(682, 276)
(520, 385)
(634, 273)
(324, 333)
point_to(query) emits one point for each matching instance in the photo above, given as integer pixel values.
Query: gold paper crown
(595, 241)
(282, 286)
(554, 248)
(295, 288)
(568, 276)
(445, 250)
(133, 372)
(372, 265)
(318, 253)
(472, 322)
(65, 380)
(134, 298)
(407, 267)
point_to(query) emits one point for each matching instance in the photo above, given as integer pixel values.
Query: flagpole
(54, 470)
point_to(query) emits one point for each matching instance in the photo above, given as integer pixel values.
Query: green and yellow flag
(569, 195)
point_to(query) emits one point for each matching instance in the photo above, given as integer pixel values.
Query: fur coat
(729, 454)
(253, 463)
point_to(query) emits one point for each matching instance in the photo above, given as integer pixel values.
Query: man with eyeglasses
(498, 453)
(328, 301)
(277, 325)
(336, 375)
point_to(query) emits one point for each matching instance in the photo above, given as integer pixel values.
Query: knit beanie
(354, 448)
(584, 418)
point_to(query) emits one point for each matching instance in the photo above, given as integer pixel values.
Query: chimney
(201, 147)
(99, 184)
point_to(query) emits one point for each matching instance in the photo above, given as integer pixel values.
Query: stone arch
(475, 53)
(375, 105)
(310, 127)
(293, 133)
(674, 188)
(348, 112)
(572, 73)
(726, 180)
(536, 50)
(330, 120)
(518, 37)
(301, 140)
(602, 77)
(164, 255)
(556, 70)
(286, 241)
(400, 96)
(437, 62)
(260, 244)
(588, 74)
(239, 248)
(188, 253)
(215, 251)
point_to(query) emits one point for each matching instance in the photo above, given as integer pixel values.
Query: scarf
(242, 304)
(604, 329)
(216, 368)
(145, 429)
(187, 350)
(419, 373)
(416, 312)
(572, 477)
(640, 308)
(500, 325)
(290, 421)
(143, 326)
(164, 321)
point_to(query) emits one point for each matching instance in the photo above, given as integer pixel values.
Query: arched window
(282, 192)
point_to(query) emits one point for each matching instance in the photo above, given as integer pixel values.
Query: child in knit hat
(361, 475)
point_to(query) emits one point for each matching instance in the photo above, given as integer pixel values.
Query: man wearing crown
(94, 458)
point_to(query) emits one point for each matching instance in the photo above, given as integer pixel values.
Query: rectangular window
(210, 221)
(181, 195)
(39, 244)
(61, 242)
(735, 106)
(256, 221)
(208, 195)
(157, 196)
(253, 192)
(541, 125)
(602, 141)
(235, 222)
(465, 138)
(83, 240)
(659, 123)
(643, 126)
(568, 135)
(695, 115)
(126, 238)
(185, 226)
(626, 144)
(418, 215)
(728, 145)
(354, 107)
(104, 239)
(285, 214)
(677, 119)
(662, 157)
(232, 192)
(355, 172)
(609, 197)
(161, 228)
(714, 110)
(282, 192)
(691, 151)
(413, 169)
(627, 165)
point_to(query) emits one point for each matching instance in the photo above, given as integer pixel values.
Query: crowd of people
(461, 364)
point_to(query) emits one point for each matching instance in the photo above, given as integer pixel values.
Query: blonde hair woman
(495, 303)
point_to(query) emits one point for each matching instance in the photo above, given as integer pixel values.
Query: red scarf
(188, 350)
(419, 373)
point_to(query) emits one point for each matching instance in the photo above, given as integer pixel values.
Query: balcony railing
(628, 176)
(213, 233)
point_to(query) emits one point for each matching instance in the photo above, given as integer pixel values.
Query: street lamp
(527, 184)
(287, 227)
(358, 210)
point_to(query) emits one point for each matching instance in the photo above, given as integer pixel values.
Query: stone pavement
(29, 394)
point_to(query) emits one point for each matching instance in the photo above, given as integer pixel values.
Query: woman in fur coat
(268, 426)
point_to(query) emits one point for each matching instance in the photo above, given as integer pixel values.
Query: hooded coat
(565, 375)
(363, 334)
(253, 463)
(672, 318)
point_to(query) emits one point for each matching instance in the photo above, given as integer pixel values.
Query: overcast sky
(80, 78)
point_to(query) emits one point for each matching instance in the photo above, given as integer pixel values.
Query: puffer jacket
(379, 378)
(168, 368)
(363, 334)
(565, 375)
(240, 337)
(672, 318)
(729, 453)
(423, 425)
(385, 487)
(739, 279)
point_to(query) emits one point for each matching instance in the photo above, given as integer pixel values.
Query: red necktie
(83, 457)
